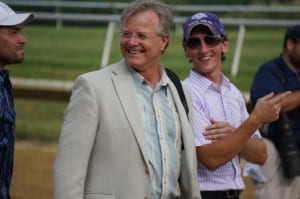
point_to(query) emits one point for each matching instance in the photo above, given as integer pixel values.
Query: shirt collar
(4, 78)
(4, 73)
(204, 84)
(140, 80)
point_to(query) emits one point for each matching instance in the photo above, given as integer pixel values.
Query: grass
(66, 53)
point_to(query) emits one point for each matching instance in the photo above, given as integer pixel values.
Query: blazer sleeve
(76, 141)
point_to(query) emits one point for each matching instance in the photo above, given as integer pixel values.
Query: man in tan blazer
(125, 133)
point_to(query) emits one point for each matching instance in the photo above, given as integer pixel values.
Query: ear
(289, 45)
(185, 48)
(165, 43)
(225, 45)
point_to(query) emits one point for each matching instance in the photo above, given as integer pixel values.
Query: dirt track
(33, 171)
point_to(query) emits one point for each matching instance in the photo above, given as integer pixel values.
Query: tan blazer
(102, 152)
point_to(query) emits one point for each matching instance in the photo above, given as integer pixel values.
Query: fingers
(217, 125)
(279, 97)
(277, 101)
(268, 107)
(217, 130)
(215, 137)
(267, 97)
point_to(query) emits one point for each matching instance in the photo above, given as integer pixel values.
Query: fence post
(108, 43)
(238, 50)
(59, 22)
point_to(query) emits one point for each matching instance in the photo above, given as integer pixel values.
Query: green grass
(66, 53)
(38, 120)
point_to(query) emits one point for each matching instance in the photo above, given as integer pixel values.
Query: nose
(21, 38)
(203, 46)
(133, 39)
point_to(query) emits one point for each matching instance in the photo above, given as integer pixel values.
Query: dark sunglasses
(210, 41)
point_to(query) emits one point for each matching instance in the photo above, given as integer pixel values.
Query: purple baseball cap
(207, 19)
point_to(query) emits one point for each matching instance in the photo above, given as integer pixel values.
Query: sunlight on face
(140, 43)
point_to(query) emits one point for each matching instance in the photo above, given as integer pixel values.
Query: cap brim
(17, 19)
(212, 30)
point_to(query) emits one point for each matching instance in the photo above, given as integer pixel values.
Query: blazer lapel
(184, 122)
(125, 90)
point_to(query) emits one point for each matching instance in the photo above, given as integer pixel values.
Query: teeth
(204, 58)
(132, 51)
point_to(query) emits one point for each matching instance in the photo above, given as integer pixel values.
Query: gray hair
(162, 10)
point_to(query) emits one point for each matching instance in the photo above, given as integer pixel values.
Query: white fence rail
(59, 16)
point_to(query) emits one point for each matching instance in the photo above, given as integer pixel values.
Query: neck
(215, 77)
(151, 75)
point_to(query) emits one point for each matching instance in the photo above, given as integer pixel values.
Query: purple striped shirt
(222, 103)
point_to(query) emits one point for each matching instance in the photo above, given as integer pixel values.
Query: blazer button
(147, 170)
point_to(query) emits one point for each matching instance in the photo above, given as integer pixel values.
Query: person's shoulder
(189, 81)
(186, 81)
(235, 91)
(102, 72)
(271, 64)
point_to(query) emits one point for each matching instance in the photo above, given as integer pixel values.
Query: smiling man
(126, 134)
(12, 42)
(223, 131)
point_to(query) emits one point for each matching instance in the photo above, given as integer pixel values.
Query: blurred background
(68, 38)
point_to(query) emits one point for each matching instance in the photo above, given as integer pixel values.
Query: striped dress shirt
(161, 124)
(222, 103)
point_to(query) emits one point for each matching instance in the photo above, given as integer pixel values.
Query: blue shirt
(161, 124)
(276, 76)
(7, 128)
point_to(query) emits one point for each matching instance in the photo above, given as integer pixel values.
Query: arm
(217, 130)
(218, 153)
(291, 102)
(255, 151)
(75, 143)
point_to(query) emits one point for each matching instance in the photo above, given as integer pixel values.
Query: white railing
(59, 17)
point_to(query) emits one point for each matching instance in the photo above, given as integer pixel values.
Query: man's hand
(217, 130)
(267, 108)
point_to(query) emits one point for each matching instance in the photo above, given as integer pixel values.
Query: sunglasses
(210, 41)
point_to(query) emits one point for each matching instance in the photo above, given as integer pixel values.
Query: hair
(162, 10)
(291, 34)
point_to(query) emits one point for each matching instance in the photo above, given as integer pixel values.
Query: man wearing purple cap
(12, 42)
(223, 130)
(282, 169)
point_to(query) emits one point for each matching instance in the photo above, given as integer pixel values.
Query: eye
(212, 41)
(125, 35)
(193, 42)
(142, 36)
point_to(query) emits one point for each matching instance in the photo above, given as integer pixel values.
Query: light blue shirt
(162, 129)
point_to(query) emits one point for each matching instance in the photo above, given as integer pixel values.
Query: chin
(19, 60)
(133, 62)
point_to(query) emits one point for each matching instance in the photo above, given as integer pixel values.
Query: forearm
(218, 153)
(291, 102)
(255, 151)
